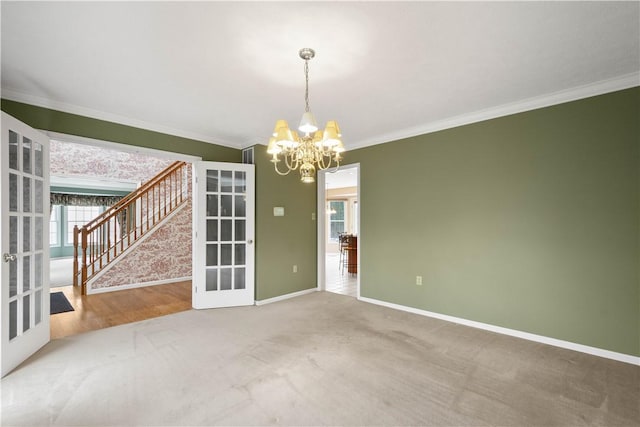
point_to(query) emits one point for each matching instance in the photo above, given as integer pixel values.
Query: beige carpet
(319, 359)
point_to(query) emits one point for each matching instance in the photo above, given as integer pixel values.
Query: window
(79, 215)
(54, 226)
(336, 219)
(61, 223)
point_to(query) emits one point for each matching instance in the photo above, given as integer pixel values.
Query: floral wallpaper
(166, 252)
(69, 159)
(164, 255)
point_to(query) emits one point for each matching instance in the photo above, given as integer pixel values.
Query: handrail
(120, 204)
(107, 236)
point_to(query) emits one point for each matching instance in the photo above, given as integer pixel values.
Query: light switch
(278, 211)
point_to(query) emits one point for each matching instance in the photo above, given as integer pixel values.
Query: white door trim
(321, 230)
(322, 233)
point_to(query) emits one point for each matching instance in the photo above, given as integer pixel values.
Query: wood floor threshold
(98, 311)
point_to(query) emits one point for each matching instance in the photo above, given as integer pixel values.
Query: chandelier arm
(322, 162)
(291, 163)
(337, 166)
(275, 166)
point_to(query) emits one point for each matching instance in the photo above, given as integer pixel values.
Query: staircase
(105, 238)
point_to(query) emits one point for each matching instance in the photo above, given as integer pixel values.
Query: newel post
(75, 255)
(84, 233)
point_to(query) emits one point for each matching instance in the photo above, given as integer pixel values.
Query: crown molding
(38, 101)
(580, 92)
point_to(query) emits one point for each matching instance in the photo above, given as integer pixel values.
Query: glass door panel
(25, 302)
(223, 224)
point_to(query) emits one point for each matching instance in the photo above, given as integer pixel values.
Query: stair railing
(106, 237)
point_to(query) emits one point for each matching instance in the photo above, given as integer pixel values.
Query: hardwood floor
(116, 308)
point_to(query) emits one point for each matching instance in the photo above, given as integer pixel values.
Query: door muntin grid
(226, 230)
(26, 230)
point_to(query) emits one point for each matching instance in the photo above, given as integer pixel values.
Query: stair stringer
(163, 255)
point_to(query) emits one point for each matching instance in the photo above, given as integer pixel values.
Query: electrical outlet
(419, 280)
(295, 268)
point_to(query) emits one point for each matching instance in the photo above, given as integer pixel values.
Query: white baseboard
(621, 357)
(136, 285)
(286, 296)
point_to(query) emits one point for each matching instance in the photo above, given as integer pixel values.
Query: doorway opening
(85, 175)
(339, 231)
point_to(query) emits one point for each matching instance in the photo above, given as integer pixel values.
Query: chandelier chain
(306, 88)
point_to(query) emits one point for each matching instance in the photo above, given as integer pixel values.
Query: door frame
(322, 232)
(121, 147)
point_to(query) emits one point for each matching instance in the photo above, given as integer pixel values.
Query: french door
(24, 239)
(223, 233)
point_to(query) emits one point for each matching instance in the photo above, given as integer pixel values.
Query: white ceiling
(224, 72)
(342, 178)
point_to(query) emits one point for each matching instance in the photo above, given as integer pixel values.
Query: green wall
(282, 242)
(72, 124)
(529, 221)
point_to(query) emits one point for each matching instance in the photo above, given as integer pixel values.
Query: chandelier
(311, 149)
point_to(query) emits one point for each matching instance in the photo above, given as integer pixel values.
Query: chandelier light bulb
(272, 147)
(308, 123)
